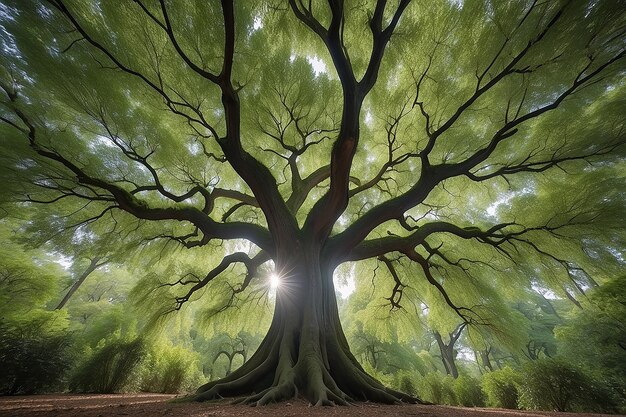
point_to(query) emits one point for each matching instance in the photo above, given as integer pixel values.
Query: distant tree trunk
(231, 357)
(448, 354)
(305, 350)
(93, 265)
(486, 362)
(372, 353)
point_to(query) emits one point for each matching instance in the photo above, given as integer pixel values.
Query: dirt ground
(149, 405)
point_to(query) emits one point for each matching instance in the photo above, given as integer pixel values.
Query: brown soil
(149, 405)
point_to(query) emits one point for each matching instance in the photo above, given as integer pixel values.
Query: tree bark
(484, 356)
(447, 356)
(305, 350)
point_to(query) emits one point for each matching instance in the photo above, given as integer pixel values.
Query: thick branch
(138, 208)
(253, 172)
(462, 312)
(396, 294)
(433, 175)
(380, 246)
(327, 210)
(258, 177)
(239, 257)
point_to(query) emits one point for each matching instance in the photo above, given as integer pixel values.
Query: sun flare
(274, 281)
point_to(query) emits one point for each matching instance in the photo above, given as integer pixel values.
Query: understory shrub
(407, 385)
(437, 388)
(32, 360)
(404, 381)
(110, 368)
(502, 388)
(170, 369)
(443, 389)
(556, 385)
(468, 391)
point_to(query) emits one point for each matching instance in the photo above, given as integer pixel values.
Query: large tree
(474, 146)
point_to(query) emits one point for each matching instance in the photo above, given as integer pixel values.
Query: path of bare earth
(156, 405)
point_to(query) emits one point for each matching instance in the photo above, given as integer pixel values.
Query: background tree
(207, 127)
(542, 319)
(94, 263)
(34, 341)
(231, 351)
(446, 348)
(596, 335)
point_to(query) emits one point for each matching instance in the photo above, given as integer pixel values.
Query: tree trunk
(447, 356)
(484, 355)
(305, 350)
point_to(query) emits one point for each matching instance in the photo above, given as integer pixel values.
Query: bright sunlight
(274, 281)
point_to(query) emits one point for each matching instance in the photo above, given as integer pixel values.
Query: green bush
(32, 361)
(502, 388)
(404, 381)
(35, 344)
(437, 388)
(170, 369)
(110, 368)
(468, 391)
(554, 384)
(406, 385)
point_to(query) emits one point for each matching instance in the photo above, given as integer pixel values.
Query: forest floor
(156, 405)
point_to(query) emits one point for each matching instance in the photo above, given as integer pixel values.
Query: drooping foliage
(595, 336)
(35, 346)
(450, 161)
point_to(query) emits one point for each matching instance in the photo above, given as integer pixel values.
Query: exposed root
(350, 375)
(329, 398)
(293, 359)
(282, 392)
(253, 398)
(280, 380)
(285, 391)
